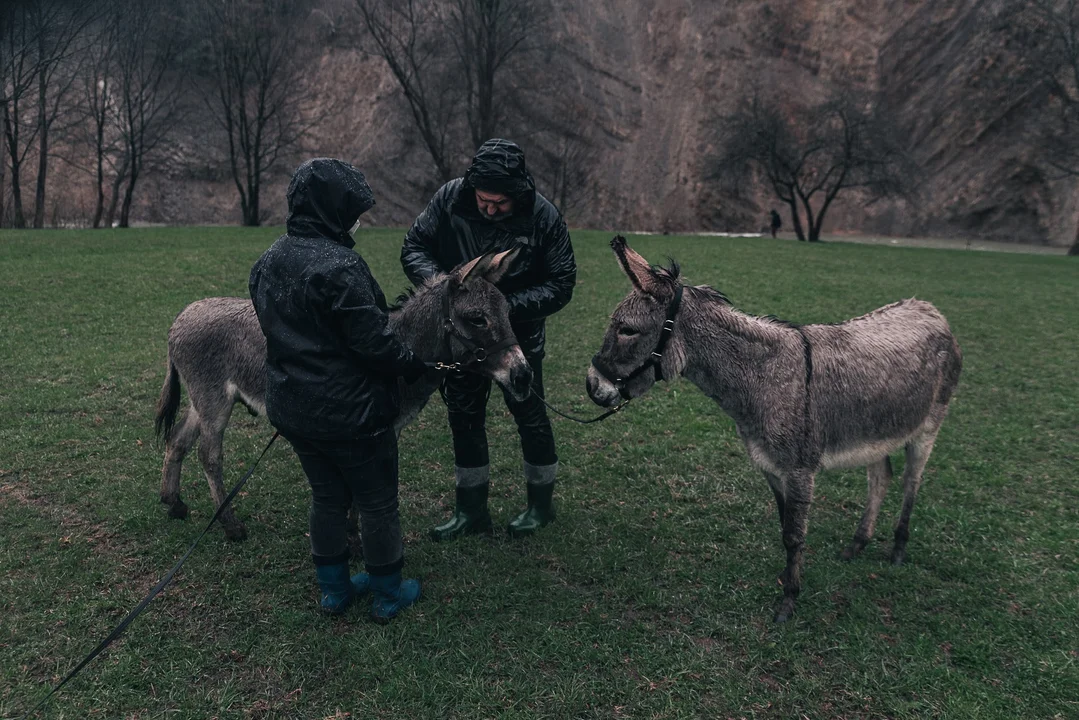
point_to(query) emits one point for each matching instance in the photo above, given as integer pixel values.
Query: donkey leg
(210, 455)
(177, 445)
(880, 476)
(776, 484)
(917, 451)
(799, 495)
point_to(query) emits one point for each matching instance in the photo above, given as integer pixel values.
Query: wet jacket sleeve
(418, 253)
(365, 326)
(547, 298)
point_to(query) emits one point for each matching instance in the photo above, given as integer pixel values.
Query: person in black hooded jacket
(495, 206)
(331, 381)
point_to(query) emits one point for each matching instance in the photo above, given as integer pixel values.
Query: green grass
(651, 596)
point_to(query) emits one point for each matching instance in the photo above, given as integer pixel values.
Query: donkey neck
(419, 322)
(731, 356)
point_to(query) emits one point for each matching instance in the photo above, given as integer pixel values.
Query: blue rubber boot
(337, 589)
(361, 583)
(391, 595)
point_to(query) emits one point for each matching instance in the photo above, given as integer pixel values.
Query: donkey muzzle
(602, 391)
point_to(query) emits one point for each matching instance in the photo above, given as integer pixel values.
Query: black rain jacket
(451, 231)
(331, 360)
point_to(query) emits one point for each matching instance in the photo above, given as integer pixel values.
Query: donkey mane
(672, 273)
(411, 293)
(399, 303)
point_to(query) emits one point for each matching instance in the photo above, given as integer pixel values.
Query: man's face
(494, 206)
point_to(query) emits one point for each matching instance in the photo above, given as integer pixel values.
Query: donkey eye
(627, 331)
(476, 320)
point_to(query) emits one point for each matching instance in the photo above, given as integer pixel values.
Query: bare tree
(256, 91)
(487, 35)
(1043, 37)
(445, 53)
(97, 118)
(18, 70)
(57, 27)
(410, 36)
(563, 152)
(147, 98)
(810, 156)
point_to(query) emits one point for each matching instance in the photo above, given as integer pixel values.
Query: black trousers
(466, 398)
(363, 471)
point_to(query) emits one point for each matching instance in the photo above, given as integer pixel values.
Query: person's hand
(414, 370)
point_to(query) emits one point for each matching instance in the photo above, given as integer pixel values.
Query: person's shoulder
(450, 189)
(545, 213)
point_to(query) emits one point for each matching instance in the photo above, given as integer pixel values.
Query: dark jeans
(364, 471)
(466, 397)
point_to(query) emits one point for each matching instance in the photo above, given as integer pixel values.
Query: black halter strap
(479, 354)
(656, 357)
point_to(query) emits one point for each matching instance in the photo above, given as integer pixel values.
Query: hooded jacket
(451, 231)
(331, 360)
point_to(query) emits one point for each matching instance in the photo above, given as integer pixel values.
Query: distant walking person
(777, 222)
(331, 382)
(495, 206)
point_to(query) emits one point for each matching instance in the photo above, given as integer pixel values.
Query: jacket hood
(498, 166)
(325, 199)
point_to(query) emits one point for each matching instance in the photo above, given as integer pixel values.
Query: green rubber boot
(540, 511)
(471, 516)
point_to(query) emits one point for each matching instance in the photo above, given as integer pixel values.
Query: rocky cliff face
(655, 75)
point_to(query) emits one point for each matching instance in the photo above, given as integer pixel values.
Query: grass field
(653, 593)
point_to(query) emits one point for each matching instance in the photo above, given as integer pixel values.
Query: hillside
(654, 76)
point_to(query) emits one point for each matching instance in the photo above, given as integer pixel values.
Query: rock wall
(654, 76)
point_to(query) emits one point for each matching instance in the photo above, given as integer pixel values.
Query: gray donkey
(805, 398)
(217, 350)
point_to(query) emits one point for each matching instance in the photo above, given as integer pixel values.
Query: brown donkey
(217, 350)
(804, 398)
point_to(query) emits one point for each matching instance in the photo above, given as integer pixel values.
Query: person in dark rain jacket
(495, 206)
(331, 383)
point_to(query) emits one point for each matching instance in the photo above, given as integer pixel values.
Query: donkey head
(478, 325)
(626, 366)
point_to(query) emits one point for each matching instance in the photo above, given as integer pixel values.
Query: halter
(479, 354)
(654, 359)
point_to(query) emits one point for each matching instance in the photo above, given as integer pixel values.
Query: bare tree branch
(148, 97)
(816, 152)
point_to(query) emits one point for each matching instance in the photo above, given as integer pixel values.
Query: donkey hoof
(178, 510)
(850, 552)
(786, 610)
(236, 532)
(898, 556)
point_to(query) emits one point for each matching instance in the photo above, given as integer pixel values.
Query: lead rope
(157, 588)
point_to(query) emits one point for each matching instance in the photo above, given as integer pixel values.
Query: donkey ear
(636, 267)
(473, 268)
(500, 265)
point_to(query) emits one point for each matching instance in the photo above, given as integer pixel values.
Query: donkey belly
(862, 453)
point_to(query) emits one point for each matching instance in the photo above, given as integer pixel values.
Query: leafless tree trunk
(148, 99)
(97, 123)
(57, 26)
(257, 93)
(117, 184)
(487, 34)
(18, 67)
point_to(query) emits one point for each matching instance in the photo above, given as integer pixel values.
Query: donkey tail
(168, 404)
